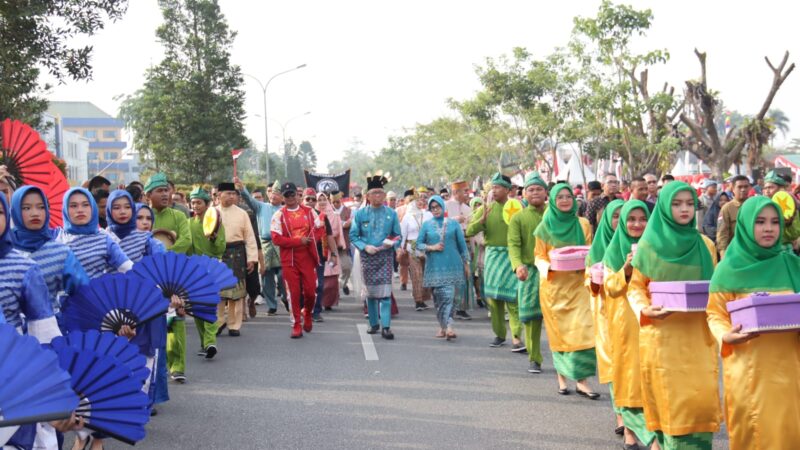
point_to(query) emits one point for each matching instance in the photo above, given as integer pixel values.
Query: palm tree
(779, 121)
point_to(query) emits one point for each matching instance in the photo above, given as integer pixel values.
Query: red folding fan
(55, 190)
(24, 153)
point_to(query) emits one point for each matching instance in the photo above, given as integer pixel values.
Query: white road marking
(370, 354)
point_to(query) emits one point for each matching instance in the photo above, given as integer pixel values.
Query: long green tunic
(172, 219)
(495, 230)
(201, 245)
(521, 241)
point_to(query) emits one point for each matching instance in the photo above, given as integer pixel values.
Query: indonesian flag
(236, 153)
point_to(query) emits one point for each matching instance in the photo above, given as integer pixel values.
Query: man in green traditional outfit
(774, 183)
(212, 246)
(500, 284)
(166, 218)
(521, 243)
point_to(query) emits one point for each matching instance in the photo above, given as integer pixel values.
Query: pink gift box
(597, 273)
(569, 258)
(680, 296)
(764, 313)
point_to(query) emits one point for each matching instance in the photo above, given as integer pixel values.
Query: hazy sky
(376, 67)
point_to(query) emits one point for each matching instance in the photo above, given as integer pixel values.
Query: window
(110, 156)
(109, 134)
(90, 134)
(91, 156)
(112, 176)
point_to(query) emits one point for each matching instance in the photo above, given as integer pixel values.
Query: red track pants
(300, 279)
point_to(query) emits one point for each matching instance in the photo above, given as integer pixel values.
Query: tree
(717, 150)
(307, 156)
(35, 34)
(188, 115)
(359, 161)
(779, 122)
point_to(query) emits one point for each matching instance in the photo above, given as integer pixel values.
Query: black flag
(324, 182)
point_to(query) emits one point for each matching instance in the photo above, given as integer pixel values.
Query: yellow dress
(679, 366)
(762, 383)
(624, 337)
(565, 301)
(602, 338)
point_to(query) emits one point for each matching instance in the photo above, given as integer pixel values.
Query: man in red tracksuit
(295, 230)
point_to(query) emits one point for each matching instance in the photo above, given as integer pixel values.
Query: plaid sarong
(499, 280)
(528, 295)
(377, 272)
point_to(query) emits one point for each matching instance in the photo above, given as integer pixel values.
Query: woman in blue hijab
(95, 249)
(447, 265)
(62, 271)
(121, 214)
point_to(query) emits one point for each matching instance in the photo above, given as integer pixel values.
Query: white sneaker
(260, 300)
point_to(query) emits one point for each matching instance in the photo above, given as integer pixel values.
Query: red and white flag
(236, 153)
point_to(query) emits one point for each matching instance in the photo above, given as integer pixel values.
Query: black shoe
(497, 342)
(481, 304)
(620, 430)
(419, 307)
(153, 412)
(589, 395)
(272, 312)
(403, 287)
(328, 308)
(463, 315)
(221, 327)
(178, 377)
(564, 391)
(373, 330)
(633, 446)
(424, 306)
(346, 290)
(387, 334)
(535, 367)
(233, 333)
(201, 353)
(519, 348)
(317, 318)
(285, 303)
(211, 351)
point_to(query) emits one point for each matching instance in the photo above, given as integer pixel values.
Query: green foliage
(34, 34)
(188, 115)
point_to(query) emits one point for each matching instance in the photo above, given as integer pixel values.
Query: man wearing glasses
(597, 205)
(652, 187)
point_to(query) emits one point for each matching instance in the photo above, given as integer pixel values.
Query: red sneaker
(297, 332)
(308, 322)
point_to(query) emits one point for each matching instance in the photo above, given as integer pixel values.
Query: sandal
(440, 334)
(451, 335)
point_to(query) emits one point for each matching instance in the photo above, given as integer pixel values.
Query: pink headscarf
(334, 219)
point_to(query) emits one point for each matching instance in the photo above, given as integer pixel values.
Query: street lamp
(264, 87)
(283, 129)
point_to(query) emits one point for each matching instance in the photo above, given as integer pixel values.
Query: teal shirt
(446, 267)
(371, 226)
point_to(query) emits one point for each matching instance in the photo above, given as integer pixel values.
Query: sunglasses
(290, 194)
(310, 199)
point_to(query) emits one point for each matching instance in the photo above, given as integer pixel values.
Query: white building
(71, 147)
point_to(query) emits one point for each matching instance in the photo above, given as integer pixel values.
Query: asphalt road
(264, 390)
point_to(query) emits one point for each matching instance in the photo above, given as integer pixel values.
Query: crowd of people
(464, 251)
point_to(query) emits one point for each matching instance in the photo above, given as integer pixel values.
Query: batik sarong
(377, 273)
(235, 257)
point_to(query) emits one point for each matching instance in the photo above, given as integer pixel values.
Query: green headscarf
(620, 245)
(558, 228)
(534, 178)
(603, 234)
(749, 267)
(668, 251)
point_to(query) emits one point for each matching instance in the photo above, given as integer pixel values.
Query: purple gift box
(680, 296)
(763, 313)
(569, 258)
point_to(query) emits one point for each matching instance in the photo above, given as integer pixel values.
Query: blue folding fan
(107, 344)
(219, 271)
(205, 312)
(112, 401)
(33, 388)
(178, 274)
(111, 301)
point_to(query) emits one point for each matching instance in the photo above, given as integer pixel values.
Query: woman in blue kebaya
(94, 248)
(447, 264)
(121, 216)
(31, 235)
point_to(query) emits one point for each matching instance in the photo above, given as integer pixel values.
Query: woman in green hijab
(626, 385)
(563, 297)
(677, 354)
(762, 394)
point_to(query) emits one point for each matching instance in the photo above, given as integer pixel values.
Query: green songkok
(157, 180)
(534, 178)
(200, 193)
(749, 267)
(604, 233)
(773, 177)
(668, 251)
(620, 245)
(558, 228)
(501, 180)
